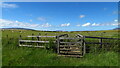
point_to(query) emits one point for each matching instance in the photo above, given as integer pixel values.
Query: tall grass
(13, 55)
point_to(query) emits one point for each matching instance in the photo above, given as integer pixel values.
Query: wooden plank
(40, 46)
(69, 49)
(70, 53)
(69, 38)
(35, 41)
(41, 36)
(69, 42)
(70, 46)
(76, 56)
(26, 45)
(79, 35)
(96, 43)
(32, 46)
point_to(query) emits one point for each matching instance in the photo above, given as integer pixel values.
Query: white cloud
(31, 20)
(110, 24)
(46, 25)
(6, 5)
(82, 16)
(41, 19)
(8, 23)
(18, 24)
(86, 24)
(78, 25)
(94, 24)
(115, 24)
(116, 20)
(66, 24)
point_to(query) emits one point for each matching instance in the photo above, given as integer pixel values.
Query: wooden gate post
(101, 43)
(38, 38)
(84, 47)
(20, 37)
(32, 37)
(58, 44)
(82, 38)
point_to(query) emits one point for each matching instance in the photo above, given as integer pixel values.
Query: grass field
(12, 55)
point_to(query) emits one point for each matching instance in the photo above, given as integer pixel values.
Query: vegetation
(13, 55)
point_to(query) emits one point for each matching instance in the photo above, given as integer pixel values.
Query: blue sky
(67, 16)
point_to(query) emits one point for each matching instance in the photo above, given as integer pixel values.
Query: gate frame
(83, 43)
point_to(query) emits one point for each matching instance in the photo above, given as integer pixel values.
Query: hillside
(117, 28)
(18, 28)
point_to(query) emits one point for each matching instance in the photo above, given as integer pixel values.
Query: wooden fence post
(7, 35)
(46, 34)
(101, 43)
(58, 44)
(7, 38)
(20, 37)
(32, 37)
(38, 38)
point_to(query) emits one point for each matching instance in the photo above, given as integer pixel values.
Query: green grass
(41, 57)
(13, 55)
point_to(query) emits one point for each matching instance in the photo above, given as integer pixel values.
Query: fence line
(102, 38)
(59, 40)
